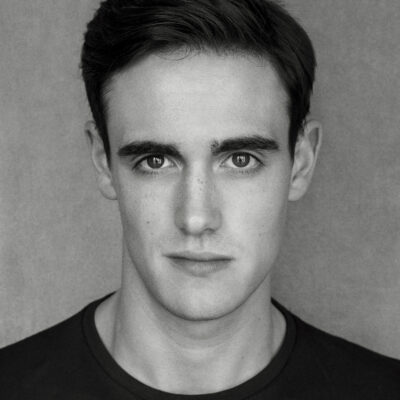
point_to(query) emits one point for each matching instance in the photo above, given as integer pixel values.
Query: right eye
(154, 162)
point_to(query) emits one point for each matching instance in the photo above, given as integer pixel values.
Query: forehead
(196, 98)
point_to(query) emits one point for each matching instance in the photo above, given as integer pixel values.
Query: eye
(154, 162)
(241, 160)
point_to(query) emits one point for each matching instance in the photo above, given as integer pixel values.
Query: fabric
(69, 361)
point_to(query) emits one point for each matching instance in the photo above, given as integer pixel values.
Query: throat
(204, 358)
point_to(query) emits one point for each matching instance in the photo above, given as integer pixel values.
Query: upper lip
(199, 256)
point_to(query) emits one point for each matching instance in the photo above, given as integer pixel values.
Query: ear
(305, 156)
(100, 162)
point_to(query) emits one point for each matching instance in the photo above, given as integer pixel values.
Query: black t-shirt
(69, 361)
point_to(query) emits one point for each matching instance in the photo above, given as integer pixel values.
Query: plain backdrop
(60, 240)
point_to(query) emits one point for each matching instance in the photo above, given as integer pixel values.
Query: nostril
(197, 221)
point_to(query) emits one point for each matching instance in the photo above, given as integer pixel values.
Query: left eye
(241, 160)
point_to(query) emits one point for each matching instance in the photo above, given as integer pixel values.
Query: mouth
(199, 264)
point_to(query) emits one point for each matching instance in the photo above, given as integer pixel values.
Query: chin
(200, 314)
(204, 307)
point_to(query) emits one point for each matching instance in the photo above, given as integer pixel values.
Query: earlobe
(305, 157)
(100, 161)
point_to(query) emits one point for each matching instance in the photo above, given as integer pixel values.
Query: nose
(197, 211)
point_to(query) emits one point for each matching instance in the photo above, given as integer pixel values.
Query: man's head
(198, 153)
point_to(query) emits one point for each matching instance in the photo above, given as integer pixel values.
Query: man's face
(201, 169)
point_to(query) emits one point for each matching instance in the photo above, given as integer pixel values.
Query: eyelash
(137, 165)
(245, 170)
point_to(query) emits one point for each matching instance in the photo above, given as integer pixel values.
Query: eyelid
(256, 158)
(140, 159)
(174, 163)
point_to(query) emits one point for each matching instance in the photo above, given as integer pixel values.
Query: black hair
(124, 31)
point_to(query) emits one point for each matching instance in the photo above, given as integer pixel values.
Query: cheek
(258, 214)
(144, 209)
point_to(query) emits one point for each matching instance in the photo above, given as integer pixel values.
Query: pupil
(241, 160)
(155, 161)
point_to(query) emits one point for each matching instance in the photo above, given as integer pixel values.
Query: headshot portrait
(200, 199)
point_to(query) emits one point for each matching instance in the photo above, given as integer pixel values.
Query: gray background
(60, 240)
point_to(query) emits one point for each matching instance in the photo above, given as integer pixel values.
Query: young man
(201, 135)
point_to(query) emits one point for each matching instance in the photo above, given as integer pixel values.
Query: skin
(179, 324)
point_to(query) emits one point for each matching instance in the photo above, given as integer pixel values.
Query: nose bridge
(198, 211)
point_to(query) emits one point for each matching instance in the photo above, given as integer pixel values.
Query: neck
(189, 357)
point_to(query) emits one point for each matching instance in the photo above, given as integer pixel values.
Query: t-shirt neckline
(254, 385)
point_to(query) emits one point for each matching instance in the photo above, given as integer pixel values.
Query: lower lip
(200, 268)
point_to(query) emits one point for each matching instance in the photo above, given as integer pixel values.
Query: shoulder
(348, 366)
(49, 354)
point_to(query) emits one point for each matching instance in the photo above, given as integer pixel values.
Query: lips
(199, 264)
(200, 257)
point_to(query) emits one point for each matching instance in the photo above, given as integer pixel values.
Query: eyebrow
(253, 142)
(148, 147)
